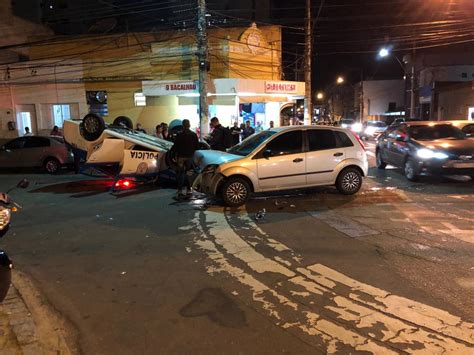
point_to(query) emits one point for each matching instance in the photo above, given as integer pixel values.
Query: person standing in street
(27, 132)
(159, 131)
(185, 144)
(248, 130)
(216, 140)
(140, 128)
(56, 132)
(235, 130)
(272, 125)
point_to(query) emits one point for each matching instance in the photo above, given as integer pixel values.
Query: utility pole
(361, 97)
(308, 104)
(203, 66)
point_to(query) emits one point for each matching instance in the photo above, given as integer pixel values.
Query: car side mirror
(23, 184)
(267, 153)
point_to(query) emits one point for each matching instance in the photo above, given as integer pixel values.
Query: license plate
(463, 165)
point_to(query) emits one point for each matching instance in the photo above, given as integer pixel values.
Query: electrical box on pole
(203, 67)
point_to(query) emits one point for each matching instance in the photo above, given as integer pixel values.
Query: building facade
(380, 99)
(149, 77)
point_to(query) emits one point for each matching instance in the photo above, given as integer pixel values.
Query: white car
(283, 158)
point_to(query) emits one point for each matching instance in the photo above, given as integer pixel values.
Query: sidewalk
(26, 325)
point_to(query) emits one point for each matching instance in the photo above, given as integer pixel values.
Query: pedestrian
(27, 132)
(140, 128)
(242, 127)
(159, 131)
(56, 132)
(216, 140)
(165, 131)
(185, 144)
(259, 127)
(272, 125)
(235, 130)
(248, 130)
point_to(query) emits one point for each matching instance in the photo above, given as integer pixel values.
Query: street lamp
(385, 52)
(319, 95)
(340, 80)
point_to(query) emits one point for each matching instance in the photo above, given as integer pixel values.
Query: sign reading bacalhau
(167, 88)
(280, 87)
(182, 86)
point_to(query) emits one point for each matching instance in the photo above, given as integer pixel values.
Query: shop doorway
(26, 117)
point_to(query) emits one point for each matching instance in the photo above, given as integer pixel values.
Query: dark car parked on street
(426, 148)
(49, 153)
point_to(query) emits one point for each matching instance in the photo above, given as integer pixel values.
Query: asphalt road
(388, 270)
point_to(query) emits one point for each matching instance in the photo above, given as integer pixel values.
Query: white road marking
(341, 310)
(372, 154)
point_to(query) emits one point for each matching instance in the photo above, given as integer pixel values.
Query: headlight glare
(424, 153)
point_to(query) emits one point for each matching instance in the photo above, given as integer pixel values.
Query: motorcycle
(7, 206)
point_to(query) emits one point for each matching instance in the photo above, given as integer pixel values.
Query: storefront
(231, 100)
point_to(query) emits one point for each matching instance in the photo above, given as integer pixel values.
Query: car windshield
(430, 133)
(376, 124)
(247, 146)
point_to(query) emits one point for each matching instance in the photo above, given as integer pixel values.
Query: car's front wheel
(410, 170)
(52, 165)
(235, 191)
(349, 181)
(379, 160)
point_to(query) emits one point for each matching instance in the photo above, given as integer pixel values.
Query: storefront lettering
(180, 87)
(280, 87)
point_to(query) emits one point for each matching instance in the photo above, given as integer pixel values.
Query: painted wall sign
(280, 87)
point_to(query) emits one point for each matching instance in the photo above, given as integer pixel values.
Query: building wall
(379, 93)
(454, 101)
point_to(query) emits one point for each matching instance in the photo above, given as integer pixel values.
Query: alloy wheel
(351, 181)
(236, 192)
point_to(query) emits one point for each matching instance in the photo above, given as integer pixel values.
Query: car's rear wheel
(379, 161)
(235, 191)
(92, 126)
(124, 122)
(349, 181)
(52, 165)
(410, 170)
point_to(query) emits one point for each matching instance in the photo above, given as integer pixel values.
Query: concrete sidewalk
(27, 325)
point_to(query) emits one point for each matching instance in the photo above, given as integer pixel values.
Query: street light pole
(308, 104)
(203, 65)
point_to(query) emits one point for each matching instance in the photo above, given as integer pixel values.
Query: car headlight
(424, 153)
(5, 214)
(357, 127)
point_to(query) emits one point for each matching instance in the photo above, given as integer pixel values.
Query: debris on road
(260, 214)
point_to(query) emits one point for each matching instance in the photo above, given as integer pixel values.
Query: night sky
(347, 33)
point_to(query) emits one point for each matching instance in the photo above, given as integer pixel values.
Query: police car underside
(119, 151)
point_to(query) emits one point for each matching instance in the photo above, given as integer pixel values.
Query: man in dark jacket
(217, 138)
(185, 144)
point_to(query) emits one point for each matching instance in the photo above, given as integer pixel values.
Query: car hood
(453, 146)
(204, 158)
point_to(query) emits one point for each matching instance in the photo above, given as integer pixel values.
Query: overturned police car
(117, 150)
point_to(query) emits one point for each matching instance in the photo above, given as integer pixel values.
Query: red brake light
(124, 184)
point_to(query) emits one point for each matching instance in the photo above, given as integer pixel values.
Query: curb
(37, 328)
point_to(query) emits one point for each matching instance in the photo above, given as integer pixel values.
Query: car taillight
(124, 184)
(359, 140)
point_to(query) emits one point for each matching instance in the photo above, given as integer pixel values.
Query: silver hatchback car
(49, 153)
(283, 158)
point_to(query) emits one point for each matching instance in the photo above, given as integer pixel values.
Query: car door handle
(338, 154)
(297, 160)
